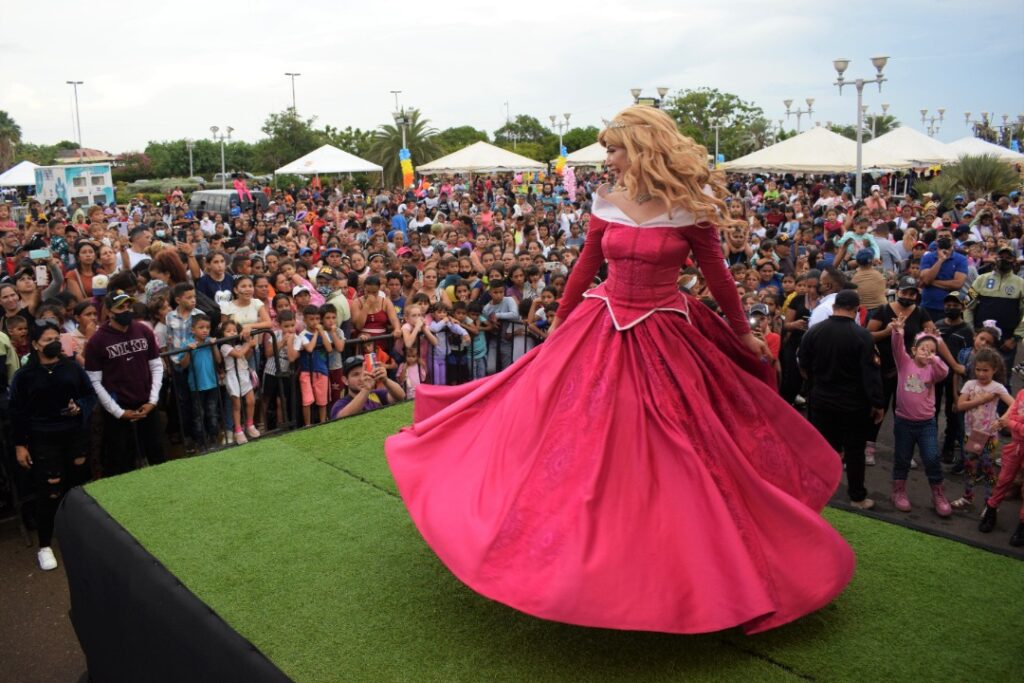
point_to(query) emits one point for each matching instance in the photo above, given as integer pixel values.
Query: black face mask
(906, 302)
(465, 274)
(1004, 265)
(953, 313)
(944, 243)
(124, 318)
(51, 350)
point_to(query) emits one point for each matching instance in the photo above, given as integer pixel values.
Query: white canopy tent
(971, 146)
(817, 150)
(481, 157)
(912, 146)
(591, 155)
(329, 159)
(19, 175)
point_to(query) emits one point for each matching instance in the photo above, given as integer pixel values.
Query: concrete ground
(38, 644)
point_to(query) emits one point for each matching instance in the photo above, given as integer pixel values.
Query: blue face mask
(324, 290)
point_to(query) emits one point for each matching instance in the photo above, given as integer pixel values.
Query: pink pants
(1013, 455)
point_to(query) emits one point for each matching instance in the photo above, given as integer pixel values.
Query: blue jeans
(925, 435)
(206, 417)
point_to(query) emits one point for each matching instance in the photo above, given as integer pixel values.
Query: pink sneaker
(252, 432)
(240, 438)
(899, 495)
(942, 506)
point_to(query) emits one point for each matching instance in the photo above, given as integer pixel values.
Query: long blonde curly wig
(666, 164)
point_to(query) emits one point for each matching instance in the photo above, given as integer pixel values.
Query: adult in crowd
(943, 270)
(47, 397)
(123, 362)
(845, 400)
(1000, 297)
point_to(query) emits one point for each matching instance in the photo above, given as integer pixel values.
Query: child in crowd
(473, 322)
(200, 366)
(239, 381)
(914, 421)
(1013, 462)
(416, 331)
(17, 329)
(413, 371)
(443, 329)
(460, 348)
(277, 376)
(310, 349)
(335, 377)
(981, 423)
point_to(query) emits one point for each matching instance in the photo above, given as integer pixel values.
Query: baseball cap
(919, 243)
(99, 285)
(403, 251)
(959, 197)
(783, 238)
(118, 297)
(298, 289)
(956, 296)
(758, 309)
(350, 364)
(327, 272)
(876, 188)
(907, 282)
(333, 250)
(304, 251)
(865, 256)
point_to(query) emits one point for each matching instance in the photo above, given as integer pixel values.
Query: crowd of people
(129, 329)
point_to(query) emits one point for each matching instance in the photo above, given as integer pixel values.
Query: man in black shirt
(958, 335)
(838, 356)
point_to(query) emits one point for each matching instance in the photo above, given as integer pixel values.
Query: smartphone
(182, 235)
(40, 276)
(39, 254)
(801, 250)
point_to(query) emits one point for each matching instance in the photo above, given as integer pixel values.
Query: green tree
(352, 140)
(876, 126)
(695, 112)
(453, 139)
(532, 150)
(848, 132)
(980, 175)
(387, 142)
(288, 138)
(10, 136)
(578, 138)
(523, 128)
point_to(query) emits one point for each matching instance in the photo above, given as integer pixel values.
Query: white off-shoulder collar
(605, 210)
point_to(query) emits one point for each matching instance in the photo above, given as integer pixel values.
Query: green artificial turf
(301, 544)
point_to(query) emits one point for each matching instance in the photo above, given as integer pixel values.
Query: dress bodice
(643, 266)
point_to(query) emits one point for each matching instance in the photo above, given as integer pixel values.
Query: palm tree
(757, 136)
(387, 141)
(978, 175)
(880, 125)
(10, 135)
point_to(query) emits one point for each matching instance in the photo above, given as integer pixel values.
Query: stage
(293, 558)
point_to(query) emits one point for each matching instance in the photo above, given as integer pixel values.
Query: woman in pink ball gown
(637, 470)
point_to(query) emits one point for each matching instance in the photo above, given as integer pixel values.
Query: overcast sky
(156, 71)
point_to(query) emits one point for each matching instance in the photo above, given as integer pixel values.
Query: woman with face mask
(47, 395)
(1000, 297)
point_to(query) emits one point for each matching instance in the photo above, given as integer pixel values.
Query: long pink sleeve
(1015, 415)
(585, 268)
(707, 249)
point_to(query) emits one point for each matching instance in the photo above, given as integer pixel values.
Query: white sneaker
(865, 504)
(229, 438)
(799, 400)
(47, 561)
(240, 438)
(913, 463)
(252, 432)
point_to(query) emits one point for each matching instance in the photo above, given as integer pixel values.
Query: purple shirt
(123, 358)
(378, 398)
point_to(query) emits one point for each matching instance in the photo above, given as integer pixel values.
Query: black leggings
(58, 465)
(889, 395)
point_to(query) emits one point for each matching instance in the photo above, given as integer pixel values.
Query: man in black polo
(838, 356)
(122, 360)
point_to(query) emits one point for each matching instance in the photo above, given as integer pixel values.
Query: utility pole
(78, 119)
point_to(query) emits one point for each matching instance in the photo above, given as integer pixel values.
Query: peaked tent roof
(481, 157)
(817, 150)
(913, 146)
(21, 174)
(972, 146)
(591, 155)
(330, 159)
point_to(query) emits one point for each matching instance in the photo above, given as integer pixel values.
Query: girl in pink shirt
(978, 400)
(914, 422)
(1013, 461)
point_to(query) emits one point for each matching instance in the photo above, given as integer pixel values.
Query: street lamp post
(716, 124)
(293, 76)
(222, 138)
(560, 126)
(840, 66)
(190, 145)
(874, 119)
(799, 112)
(931, 127)
(655, 102)
(401, 118)
(78, 119)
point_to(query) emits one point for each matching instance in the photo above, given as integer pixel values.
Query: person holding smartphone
(47, 395)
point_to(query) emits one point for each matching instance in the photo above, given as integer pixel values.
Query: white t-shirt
(134, 259)
(243, 315)
(822, 311)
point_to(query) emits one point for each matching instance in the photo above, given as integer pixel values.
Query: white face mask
(689, 282)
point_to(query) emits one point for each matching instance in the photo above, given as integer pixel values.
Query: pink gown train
(634, 471)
